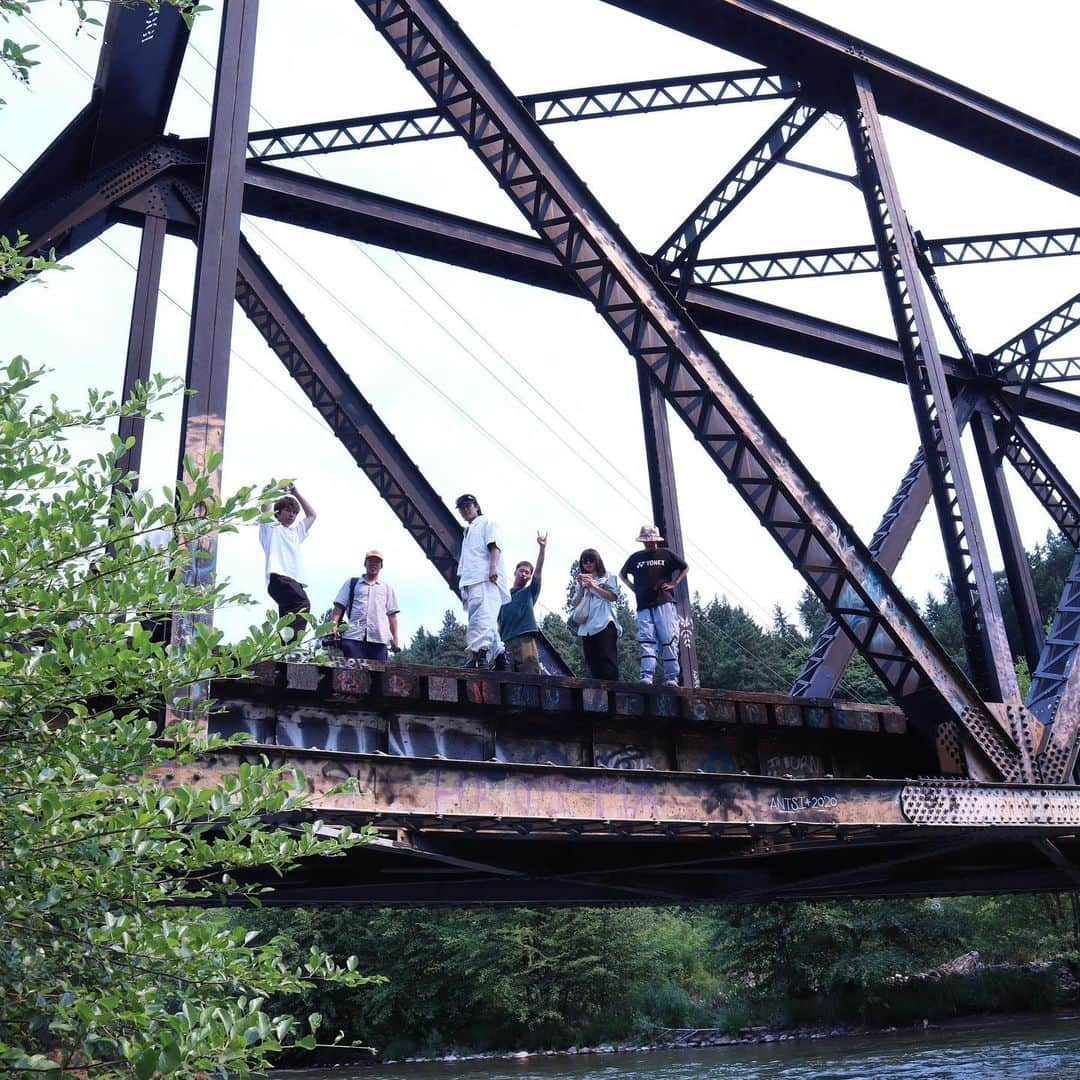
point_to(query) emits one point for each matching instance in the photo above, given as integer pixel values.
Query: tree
(101, 964)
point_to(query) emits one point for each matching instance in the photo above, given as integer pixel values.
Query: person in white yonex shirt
(484, 584)
(281, 542)
(370, 609)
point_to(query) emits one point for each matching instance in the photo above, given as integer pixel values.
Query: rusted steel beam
(559, 106)
(350, 416)
(453, 792)
(664, 493)
(863, 258)
(983, 628)
(141, 53)
(777, 140)
(141, 338)
(825, 57)
(1019, 357)
(821, 674)
(1038, 470)
(1017, 569)
(340, 210)
(774, 484)
(79, 213)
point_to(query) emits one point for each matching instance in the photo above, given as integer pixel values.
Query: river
(1048, 1049)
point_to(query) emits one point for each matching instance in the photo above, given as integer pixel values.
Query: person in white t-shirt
(484, 584)
(281, 542)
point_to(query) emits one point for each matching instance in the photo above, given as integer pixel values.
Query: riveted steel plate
(958, 803)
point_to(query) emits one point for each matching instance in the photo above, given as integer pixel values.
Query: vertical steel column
(665, 508)
(984, 632)
(202, 432)
(1017, 570)
(141, 337)
(203, 428)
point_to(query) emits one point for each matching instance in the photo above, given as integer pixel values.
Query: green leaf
(145, 1063)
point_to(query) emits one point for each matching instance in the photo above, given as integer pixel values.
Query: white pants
(482, 603)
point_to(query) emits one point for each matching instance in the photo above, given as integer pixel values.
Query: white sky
(440, 366)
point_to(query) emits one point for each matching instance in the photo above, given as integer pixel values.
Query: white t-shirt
(282, 547)
(155, 539)
(475, 562)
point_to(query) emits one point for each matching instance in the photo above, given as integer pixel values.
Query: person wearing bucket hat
(483, 582)
(370, 610)
(654, 573)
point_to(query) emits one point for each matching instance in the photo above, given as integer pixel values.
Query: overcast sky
(522, 396)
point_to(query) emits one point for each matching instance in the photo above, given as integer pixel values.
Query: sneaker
(477, 660)
(671, 682)
(646, 679)
(502, 662)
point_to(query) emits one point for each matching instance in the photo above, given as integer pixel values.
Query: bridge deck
(501, 788)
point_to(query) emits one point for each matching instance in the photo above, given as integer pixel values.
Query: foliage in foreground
(103, 963)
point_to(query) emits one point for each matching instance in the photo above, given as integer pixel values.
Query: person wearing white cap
(654, 574)
(370, 610)
(483, 581)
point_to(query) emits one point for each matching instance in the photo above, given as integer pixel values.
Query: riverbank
(1012, 1048)
(706, 1040)
(942, 994)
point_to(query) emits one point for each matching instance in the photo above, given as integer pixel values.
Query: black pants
(158, 629)
(364, 650)
(290, 597)
(602, 653)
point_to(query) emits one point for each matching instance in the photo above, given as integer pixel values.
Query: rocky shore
(968, 966)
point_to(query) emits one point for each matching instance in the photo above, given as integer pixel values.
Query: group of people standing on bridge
(502, 631)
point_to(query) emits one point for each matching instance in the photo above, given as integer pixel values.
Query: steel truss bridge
(506, 789)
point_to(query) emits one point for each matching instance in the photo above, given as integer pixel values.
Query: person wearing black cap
(483, 581)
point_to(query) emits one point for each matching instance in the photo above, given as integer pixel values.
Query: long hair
(592, 553)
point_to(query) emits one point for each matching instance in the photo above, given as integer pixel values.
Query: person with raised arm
(517, 617)
(281, 540)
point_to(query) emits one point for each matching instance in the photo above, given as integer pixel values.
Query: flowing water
(1048, 1049)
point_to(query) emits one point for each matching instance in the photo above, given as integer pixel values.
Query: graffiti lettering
(791, 804)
